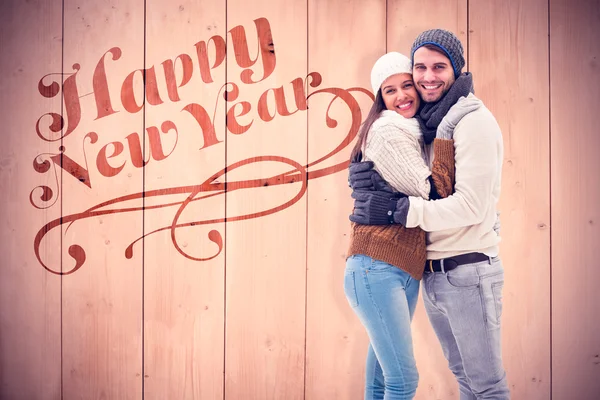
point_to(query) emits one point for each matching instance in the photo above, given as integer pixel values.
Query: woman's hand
(362, 176)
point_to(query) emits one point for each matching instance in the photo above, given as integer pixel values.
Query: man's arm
(478, 143)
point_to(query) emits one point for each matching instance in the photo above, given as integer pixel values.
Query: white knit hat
(389, 64)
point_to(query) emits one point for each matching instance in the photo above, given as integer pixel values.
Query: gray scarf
(431, 114)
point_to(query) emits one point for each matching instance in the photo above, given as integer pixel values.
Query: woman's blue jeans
(384, 298)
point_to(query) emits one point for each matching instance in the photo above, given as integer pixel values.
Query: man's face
(432, 73)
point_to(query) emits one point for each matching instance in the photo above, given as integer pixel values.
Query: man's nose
(429, 75)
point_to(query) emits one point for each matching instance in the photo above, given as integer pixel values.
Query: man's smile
(431, 87)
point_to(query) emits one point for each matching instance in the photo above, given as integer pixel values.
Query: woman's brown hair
(376, 109)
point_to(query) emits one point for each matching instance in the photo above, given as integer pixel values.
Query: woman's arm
(398, 159)
(442, 169)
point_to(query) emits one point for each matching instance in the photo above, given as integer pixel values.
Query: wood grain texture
(337, 342)
(575, 77)
(266, 318)
(184, 297)
(29, 295)
(266, 256)
(102, 301)
(406, 20)
(509, 60)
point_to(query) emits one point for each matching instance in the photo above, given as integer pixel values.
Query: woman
(385, 262)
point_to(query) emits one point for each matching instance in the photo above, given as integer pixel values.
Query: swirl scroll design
(213, 187)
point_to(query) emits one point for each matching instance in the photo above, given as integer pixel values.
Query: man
(463, 278)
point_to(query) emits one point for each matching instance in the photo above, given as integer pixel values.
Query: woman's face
(399, 94)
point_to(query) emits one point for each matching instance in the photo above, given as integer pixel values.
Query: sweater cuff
(443, 167)
(401, 212)
(433, 193)
(382, 210)
(443, 151)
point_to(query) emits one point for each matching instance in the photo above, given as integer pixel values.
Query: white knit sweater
(395, 145)
(464, 222)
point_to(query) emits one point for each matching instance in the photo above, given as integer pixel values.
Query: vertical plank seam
(307, 205)
(144, 217)
(468, 37)
(386, 28)
(62, 194)
(225, 216)
(550, 184)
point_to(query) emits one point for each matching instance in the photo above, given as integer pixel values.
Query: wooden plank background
(101, 304)
(183, 300)
(266, 256)
(214, 142)
(30, 298)
(574, 54)
(519, 100)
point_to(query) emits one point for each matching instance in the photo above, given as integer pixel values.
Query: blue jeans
(384, 298)
(464, 307)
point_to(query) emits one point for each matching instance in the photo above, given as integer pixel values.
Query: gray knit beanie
(447, 42)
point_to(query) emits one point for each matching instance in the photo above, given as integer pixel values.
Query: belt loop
(442, 266)
(490, 260)
(431, 265)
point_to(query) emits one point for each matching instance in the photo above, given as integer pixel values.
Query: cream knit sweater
(395, 145)
(464, 222)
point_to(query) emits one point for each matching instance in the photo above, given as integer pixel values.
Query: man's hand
(362, 176)
(463, 106)
(375, 207)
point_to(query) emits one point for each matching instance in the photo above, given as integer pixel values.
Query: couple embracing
(425, 175)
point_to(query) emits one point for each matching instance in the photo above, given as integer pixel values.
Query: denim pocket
(350, 288)
(497, 292)
(377, 265)
(463, 281)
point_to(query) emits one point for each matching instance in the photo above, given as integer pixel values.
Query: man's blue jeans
(384, 298)
(464, 307)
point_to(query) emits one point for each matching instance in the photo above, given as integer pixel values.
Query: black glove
(362, 176)
(374, 207)
(379, 208)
